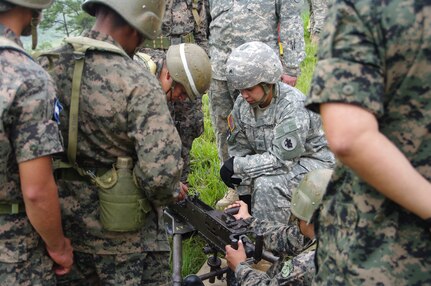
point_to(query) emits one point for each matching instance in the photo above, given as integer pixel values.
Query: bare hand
(243, 210)
(235, 257)
(62, 258)
(290, 80)
(184, 189)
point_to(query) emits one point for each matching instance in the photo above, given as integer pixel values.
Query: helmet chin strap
(170, 91)
(34, 22)
(266, 91)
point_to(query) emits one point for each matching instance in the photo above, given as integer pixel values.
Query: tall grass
(204, 176)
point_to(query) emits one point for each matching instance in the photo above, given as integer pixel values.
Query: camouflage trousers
(221, 100)
(35, 270)
(189, 121)
(270, 198)
(149, 268)
(318, 11)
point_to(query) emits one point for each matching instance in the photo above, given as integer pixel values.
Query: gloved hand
(226, 173)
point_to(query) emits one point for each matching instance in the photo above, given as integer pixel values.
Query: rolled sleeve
(349, 69)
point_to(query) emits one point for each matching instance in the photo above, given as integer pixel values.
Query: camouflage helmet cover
(253, 63)
(32, 4)
(189, 65)
(144, 15)
(307, 197)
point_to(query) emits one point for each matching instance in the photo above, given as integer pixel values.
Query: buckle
(176, 40)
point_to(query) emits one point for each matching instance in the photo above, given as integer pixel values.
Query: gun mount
(218, 229)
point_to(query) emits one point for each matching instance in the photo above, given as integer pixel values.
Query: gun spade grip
(234, 243)
(232, 211)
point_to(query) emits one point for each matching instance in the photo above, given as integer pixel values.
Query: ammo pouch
(123, 206)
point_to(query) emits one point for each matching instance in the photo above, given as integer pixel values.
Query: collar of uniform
(100, 37)
(10, 35)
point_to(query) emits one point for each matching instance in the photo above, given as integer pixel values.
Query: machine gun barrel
(217, 228)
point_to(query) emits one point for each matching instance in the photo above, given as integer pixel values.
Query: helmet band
(187, 70)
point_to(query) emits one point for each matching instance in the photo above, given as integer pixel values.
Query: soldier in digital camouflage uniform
(184, 22)
(318, 11)
(181, 78)
(372, 86)
(122, 113)
(31, 235)
(274, 140)
(296, 264)
(233, 23)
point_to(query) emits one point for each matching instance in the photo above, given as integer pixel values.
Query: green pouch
(123, 206)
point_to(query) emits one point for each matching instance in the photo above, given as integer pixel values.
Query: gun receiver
(217, 228)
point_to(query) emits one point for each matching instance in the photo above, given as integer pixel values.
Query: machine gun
(218, 229)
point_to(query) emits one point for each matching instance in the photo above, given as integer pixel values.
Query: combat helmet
(189, 65)
(32, 4)
(253, 63)
(144, 15)
(146, 60)
(307, 197)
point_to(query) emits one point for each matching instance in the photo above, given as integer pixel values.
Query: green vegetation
(204, 177)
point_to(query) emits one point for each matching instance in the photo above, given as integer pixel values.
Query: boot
(229, 198)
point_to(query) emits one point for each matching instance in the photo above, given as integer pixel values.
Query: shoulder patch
(231, 123)
(57, 109)
(287, 268)
(289, 143)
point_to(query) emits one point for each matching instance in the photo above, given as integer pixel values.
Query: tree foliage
(66, 17)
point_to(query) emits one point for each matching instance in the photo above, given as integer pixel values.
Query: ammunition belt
(164, 43)
(11, 208)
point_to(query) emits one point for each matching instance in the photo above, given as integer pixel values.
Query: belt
(164, 43)
(71, 174)
(11, 208)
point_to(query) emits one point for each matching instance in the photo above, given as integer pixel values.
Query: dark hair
(118, 20)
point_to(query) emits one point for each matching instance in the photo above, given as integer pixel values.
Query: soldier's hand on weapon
(242, 212)
(226, 173)
(62, 257)
(290, 80)
(184, 189)
(235, 256)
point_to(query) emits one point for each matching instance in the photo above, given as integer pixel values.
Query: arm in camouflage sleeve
(291, 35)
(239, 146)
(200, 31)
(237, 141)
(288, 145)
(248, 276)
(157, 144)
(298, 271)
(358, 143)
(282, 238)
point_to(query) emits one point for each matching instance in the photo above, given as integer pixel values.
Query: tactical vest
(123, 206)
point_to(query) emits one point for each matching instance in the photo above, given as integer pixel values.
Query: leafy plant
(66, 17)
